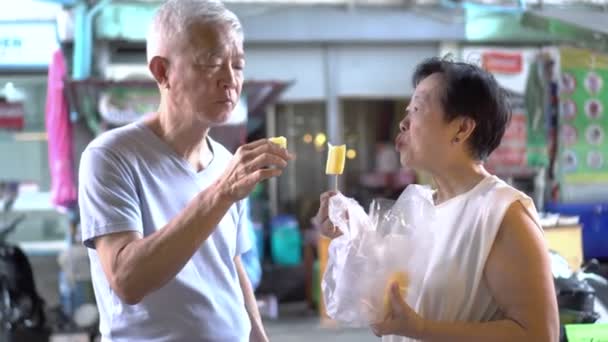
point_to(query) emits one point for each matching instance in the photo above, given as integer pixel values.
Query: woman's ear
(159, 67)
(466, 127)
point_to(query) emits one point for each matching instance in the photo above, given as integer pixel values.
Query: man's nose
(228, 77)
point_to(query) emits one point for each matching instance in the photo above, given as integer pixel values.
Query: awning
(84, 96)
(579, 26)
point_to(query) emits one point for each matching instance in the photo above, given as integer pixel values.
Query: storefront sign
(27, 44)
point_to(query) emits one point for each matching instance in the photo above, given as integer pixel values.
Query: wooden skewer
(336, 184)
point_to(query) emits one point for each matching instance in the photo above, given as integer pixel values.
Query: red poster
(512, 150)
(12, 116)
(502, 62)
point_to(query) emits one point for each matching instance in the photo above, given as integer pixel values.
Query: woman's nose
(404, 125)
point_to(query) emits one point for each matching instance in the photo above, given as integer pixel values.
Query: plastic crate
(285, 241)
(594, 219)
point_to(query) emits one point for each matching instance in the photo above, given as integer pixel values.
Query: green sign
(587, 332)
(583, 117)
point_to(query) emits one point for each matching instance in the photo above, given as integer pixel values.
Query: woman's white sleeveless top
(453, 288)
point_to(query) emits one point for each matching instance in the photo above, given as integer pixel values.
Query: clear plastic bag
(395, 238)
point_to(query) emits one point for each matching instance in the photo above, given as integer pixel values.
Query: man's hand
(251, 164)
(257, 336)
(402, 320)
(322, 218)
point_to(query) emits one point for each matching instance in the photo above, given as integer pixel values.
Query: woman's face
(424, 139)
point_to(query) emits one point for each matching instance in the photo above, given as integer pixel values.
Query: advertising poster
(583, 145)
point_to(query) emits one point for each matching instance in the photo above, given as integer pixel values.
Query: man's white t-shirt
(130, 180)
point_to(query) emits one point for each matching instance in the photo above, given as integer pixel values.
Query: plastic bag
(394, 239)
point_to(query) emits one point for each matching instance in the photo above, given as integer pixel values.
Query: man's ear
(159, 67)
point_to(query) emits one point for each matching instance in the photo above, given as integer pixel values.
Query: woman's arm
(517, 273)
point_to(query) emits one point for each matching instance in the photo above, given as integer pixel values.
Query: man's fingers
(254, 144)
(263, 174)
(244, 185)
(265, 160)
(270, 147)
(253, 150)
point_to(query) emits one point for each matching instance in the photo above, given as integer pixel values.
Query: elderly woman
(489, 276)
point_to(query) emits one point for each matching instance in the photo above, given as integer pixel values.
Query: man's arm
(136, 266)
(258, 334)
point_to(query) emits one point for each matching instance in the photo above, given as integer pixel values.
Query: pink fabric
(59, 130)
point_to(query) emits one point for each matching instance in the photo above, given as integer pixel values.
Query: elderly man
(162, 203)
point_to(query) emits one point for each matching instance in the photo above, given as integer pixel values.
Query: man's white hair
(174, 18)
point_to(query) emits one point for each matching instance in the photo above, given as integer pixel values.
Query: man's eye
(211, 63)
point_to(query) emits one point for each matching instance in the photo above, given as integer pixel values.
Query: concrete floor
(298, 324)
(301, 331)
(295, 323)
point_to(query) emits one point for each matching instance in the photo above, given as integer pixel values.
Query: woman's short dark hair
(471, 92)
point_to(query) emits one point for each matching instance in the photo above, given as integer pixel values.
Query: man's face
(206, 73)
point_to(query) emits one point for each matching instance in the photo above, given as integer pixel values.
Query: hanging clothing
(59, 131)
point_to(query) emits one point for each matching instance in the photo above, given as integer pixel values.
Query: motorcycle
(577, 292)
(22, 316)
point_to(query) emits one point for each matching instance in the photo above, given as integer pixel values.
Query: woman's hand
(401, 320)
(322, 218)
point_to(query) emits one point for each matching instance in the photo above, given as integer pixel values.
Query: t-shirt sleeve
(243, 239)
(107, 196)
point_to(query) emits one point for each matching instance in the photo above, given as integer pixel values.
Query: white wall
(28, 10)
(379, 71)
(303, 65)
(361, 71)
(371, 71)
